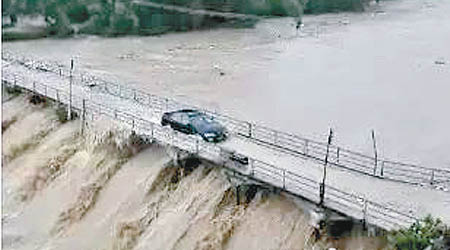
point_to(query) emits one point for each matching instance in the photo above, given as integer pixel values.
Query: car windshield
(199, 117)
(204, 123)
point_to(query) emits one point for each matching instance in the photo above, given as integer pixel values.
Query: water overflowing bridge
(381, 192)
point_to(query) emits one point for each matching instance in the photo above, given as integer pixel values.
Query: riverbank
(26, 28)
(145, 18)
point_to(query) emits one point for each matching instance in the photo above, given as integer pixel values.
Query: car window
(180, 118)
(184, 118)
(202, 117)
(176, 117)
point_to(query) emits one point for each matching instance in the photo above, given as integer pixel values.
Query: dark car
(191, 121)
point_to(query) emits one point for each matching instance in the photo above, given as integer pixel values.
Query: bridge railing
(278, 140)
(351, 204)
(354, 205)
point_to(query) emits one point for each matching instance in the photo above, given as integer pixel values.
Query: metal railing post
(375, 168)
(152, 133)
(322, 184)
(284, 178)
(337, 154)
(432, 177)
(375, 153)
(382, 169)
(69, 111)
(196, 146)
(365, 214)
(306, 147)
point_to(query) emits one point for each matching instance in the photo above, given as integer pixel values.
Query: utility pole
(375, 152)
(322, 185)
(69, 110)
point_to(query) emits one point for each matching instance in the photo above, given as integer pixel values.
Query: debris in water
(37, 99)
(129, 56)
(344, 22)
(217, 67)
(440, 62)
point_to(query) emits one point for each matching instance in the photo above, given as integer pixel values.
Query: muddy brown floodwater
(387, 69)
(66, 191)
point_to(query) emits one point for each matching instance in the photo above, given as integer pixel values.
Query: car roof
(182, 111)
(187, 111)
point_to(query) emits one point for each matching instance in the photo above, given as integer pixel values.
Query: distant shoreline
(145, 21)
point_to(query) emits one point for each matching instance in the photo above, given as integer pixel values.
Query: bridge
(378, 191)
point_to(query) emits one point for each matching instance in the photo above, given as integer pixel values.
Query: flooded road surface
(387, 69)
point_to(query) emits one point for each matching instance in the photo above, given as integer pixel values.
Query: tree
(428, 233)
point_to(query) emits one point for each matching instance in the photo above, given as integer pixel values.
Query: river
(386, 69)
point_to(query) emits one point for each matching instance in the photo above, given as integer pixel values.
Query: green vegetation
(272, 7)
(428, 233)
(78, 13)
(323, 6)
(111, 17)
(13, 90)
